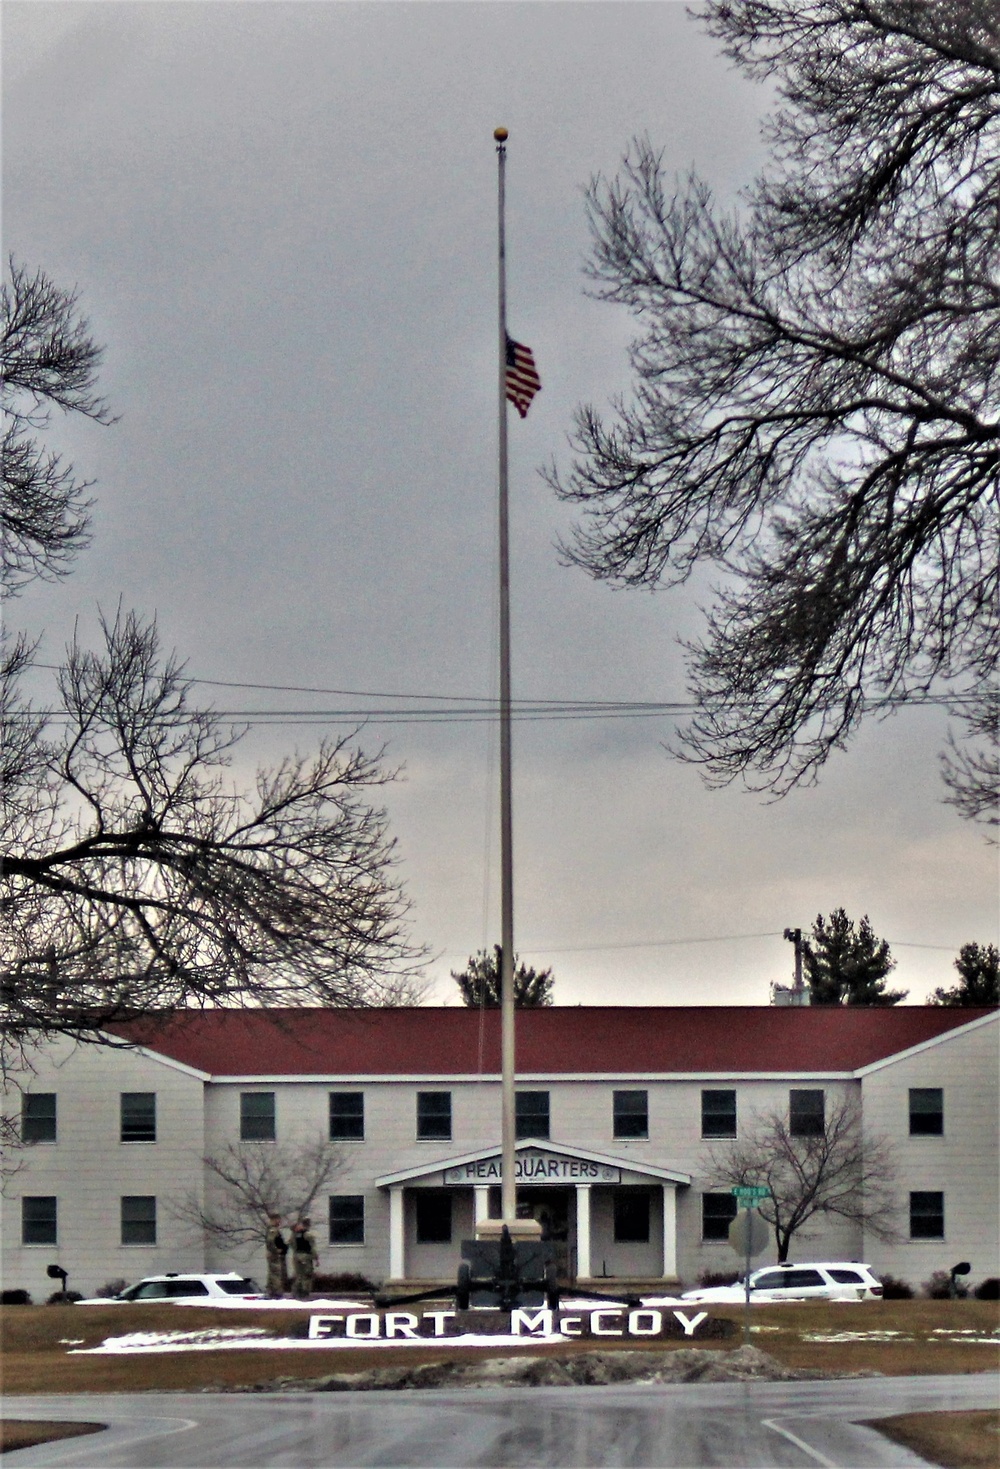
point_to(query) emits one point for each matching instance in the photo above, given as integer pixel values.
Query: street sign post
(748, 1235)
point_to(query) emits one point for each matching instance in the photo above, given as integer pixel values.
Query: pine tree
(978, 967)
(479, 982)
(848, 965)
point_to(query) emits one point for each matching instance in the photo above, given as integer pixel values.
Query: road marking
(799, 1443)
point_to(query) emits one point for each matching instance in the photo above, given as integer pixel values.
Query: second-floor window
(806, 1113)
(257, 1117)
(631, 1114)
(434, 1116)
(347, 1116)
(926, 1111)
(138, 1117)
(38, 1117)
(718, 1114)
(531, 1115)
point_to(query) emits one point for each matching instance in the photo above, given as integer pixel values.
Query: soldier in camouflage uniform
(304, 1259)
(277, 1249)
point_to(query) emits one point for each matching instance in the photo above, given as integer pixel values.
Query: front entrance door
(550, 1206)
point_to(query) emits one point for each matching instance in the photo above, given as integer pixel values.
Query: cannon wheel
(551, 1286)
(462, 1286)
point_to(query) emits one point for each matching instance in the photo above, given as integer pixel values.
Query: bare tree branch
(840, 1171)
(249, 1181)
(816, 384)
(137, 877)
(48, 360)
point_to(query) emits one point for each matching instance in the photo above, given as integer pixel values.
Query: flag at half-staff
(523, 381)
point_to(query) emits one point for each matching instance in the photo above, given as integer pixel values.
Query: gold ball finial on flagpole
(500, 134)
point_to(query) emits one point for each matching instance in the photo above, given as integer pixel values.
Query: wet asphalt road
(744, 1425)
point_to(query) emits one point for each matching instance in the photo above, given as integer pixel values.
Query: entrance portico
(596, 1208)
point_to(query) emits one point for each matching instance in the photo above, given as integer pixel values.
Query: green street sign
(747, 1192)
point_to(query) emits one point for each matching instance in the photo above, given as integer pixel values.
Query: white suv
(176, 1287)
(837, 1281)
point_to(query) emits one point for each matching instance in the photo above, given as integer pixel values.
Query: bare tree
(249, 1181)
(972, 772)
(138, 877)
(839, 1171)
(816, 384)
(49, 360)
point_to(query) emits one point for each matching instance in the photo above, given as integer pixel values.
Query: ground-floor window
(39, 1220)
(717, 1213)
(631, 1216)
(927, 1215)
(138, 1219)
(347, 1219)
(433, 1217)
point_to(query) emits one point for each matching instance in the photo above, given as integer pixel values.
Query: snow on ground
(264, 1303)
(235, 1340)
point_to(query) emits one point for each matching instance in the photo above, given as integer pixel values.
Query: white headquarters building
(617, 1111)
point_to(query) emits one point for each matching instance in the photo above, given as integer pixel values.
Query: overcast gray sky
(281, 219)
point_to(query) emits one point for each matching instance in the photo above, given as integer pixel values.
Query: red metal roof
(558, 1039)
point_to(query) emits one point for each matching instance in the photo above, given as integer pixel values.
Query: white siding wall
(962, 1163)
(88, 1170)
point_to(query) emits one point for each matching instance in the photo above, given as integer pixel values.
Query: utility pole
(794, 936)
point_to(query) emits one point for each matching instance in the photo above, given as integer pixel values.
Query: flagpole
(507, 1054)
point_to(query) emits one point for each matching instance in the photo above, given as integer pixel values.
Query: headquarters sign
(535, 1165)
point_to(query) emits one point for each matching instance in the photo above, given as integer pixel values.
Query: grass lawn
(892, 1337)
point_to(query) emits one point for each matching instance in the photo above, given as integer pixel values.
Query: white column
(669, 1230)
(397, 1235)
(583, 1269)
(481, 1202)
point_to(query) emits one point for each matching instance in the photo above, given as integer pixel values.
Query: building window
(631, 1114)
(138, 1117)
(717, 1213)
(433, 1216)
(531, 1116)
(139, 1219)
(718, 1114)
(434, 1116)
(39, 1221)
(631, 1216)
(347, 1116)
(38, 1117)
(347, 1219)
(806, 1114)
(926, 1111)
(927, 1216)
(257, 1117)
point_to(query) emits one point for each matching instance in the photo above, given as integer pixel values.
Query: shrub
(988, 1289)
(15, 1298)
(896, 1290)
(939, 1287)
(718, 1277)
(64, 1297)
(346, 1281)
(111, 1288)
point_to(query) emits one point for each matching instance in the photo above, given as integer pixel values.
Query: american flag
(523, 381)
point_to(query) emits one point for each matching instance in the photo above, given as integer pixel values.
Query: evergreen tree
(977, 966)
(848, 965)
(479, 982)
